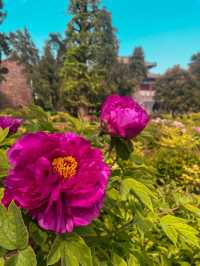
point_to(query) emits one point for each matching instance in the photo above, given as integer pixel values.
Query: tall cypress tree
(107, 44)
(83, 74)
(138, 69)
(46, 79)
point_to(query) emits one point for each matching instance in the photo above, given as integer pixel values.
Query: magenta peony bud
(122, 116)
(10, 122)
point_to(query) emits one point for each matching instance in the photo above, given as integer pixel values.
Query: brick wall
(14, 90)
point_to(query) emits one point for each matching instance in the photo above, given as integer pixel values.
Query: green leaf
(54, 254)
(171, 232)
(3, 134)
(2, 262)
(13, 232)
(123, 147)
(143, 193)
(37, 235)
(177, 227)
(24, 257)
(80, 250)
(72, 252)
(133, 261)
(188, 234)
(3, 163)
(118, 261)
(68, 258)
(193, 209)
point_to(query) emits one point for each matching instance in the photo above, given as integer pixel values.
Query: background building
(14, 90)
(145, 93)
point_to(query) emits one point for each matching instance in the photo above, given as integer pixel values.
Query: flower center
(65, 166)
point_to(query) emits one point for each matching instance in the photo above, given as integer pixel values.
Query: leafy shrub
(151, 214)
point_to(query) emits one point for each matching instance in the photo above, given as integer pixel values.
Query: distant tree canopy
(121, 77)
(91, 52)
(195, 66)
(177, 92)
(128, 75)
(4, 48)
(77, 71)
(23, 50)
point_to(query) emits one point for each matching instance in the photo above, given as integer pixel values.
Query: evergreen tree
(177, 92)
(195, 66)
(122, 79)
(4, 48)
(58, 46)
(106, 43)
(84, 70)
(138, 68)
(24, 51)
(106, 48)
(46, 79)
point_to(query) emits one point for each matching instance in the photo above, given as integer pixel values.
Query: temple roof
(126, 60)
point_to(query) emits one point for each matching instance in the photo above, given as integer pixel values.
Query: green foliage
(25, 257)
(72, 251)
(46, 80)
(23, 50)
(151, 213)
(144, 194)
(195, 66)
(91, 50)
(13, 233)
(177, 92)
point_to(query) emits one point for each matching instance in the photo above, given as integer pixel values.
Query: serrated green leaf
(24, 257)
(171, 232)
(13, 232)
(187, 233)
(143, 193)
(193, 209)
(118, 261)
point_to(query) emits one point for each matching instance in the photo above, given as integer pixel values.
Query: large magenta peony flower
(10, 122)
(122, 116)
(58, 178)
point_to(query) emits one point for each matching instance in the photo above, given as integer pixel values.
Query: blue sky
(168, 30)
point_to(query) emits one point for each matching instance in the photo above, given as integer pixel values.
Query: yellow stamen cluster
(65, 166)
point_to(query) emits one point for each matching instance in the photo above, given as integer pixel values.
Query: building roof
(126, 60)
